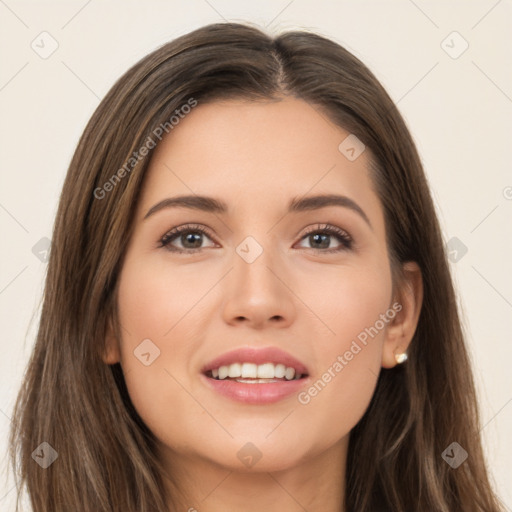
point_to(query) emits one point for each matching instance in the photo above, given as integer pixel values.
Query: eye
(191, 238)
(320, 237)
(189, 235)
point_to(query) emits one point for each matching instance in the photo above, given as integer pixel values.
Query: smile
(251, 373)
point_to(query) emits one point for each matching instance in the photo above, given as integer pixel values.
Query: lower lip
(265, 393)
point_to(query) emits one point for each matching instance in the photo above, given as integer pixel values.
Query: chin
(258, 453)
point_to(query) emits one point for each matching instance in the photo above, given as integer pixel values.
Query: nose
(258, 295)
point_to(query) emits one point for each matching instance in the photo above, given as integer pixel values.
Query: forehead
(254, 154)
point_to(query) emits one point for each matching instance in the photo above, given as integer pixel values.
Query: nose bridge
(253, 263)
(256, 290)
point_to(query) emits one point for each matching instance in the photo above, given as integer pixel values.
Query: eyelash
(343, 237)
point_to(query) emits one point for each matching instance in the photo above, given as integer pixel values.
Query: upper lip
(258, 356)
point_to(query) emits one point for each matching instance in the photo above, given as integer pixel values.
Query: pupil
(190, 238)
(319, 237)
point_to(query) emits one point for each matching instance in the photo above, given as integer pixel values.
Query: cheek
(158, 303)
(162, 313)
(343, 302)
(353, 311)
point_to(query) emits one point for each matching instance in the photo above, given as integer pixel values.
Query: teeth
(280, 371)
(234, 370)
(223, 372)
(255, 371)
(290, 373)
(249, 370)
(266, 371)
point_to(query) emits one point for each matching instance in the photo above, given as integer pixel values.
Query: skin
(256, 156)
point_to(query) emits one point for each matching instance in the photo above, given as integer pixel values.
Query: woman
(304, 352)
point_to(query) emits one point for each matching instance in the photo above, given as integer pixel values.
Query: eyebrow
(212, 205)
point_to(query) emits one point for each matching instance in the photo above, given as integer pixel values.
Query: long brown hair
(79, 405)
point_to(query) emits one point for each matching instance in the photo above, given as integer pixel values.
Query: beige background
(458, 109)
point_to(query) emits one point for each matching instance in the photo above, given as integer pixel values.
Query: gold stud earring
(401, 358)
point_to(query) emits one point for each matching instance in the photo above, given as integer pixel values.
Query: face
(313, 283)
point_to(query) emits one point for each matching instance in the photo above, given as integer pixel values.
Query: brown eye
(190, 238)
(320, 238)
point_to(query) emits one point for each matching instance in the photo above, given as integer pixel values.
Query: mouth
(251, 373)
(255, 375)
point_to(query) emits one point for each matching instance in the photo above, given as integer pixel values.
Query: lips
(257, 375)
(258, 356)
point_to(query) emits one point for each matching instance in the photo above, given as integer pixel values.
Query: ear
(408, 300)
(111, 354)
